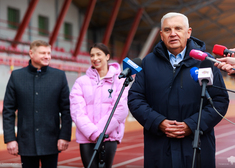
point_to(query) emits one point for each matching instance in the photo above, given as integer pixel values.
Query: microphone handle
(227, 51)
(125, 73)
(214, 60)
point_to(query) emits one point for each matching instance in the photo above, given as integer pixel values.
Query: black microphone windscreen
(137, 61)
(206, 64)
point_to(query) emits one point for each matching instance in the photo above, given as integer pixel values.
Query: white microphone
(194, 75)
(205, 73)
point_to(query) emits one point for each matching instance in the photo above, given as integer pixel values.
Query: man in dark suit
(165, 100)
(40, 93)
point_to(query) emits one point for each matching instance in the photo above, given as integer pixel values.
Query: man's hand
(174, 129)
(12, 148)
(62, 144)
(186, 129)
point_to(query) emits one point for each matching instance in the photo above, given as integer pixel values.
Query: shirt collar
(175, 60)
(33, 69)
(180, 55)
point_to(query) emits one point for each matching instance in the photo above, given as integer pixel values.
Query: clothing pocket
(51, 126)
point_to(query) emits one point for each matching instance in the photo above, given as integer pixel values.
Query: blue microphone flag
(133, 65)
(194, 73)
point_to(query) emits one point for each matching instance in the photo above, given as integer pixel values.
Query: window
(13, 16)
(43, 26)
(68, 31)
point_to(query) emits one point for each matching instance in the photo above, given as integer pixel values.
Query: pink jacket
(91, 105)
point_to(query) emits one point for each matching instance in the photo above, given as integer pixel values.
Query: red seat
(2, 48)
(61, 49)
(56, 48)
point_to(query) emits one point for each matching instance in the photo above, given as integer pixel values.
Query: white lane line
(223, 127)
(225, 150)
(118, 149)
(133, 137)
(72, 148)
(10, 165)
(130, 147)
(69, 160)
(68, 167)
(11, 160)
(128, 161)
(225, 134)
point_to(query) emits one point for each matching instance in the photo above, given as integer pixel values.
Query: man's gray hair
(173, 14)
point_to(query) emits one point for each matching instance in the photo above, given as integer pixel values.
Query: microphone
(199, 55)
(205, 73)
(130, 67)
(203, 82)
(194, 75)
(221, 50)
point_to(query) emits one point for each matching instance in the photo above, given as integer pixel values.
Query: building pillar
(131, 34)
(111, 22)
(59, 21)
(85, 25)
(25, 22)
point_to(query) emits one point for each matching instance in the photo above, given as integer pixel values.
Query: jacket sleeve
(139, 107)
(210, 117)
(120, 112)
(9, 108)
(66, 121)
(79, 113)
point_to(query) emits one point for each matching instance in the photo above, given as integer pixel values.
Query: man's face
(40, 56)
(174, 34)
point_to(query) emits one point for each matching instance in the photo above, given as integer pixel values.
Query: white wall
(4, 74)
(45, 8)
(4, 4)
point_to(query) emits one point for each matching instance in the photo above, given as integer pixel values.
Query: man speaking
(165, 100)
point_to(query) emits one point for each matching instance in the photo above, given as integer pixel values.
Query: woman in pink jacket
(91, 101)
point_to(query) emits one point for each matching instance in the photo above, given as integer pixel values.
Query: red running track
(130, 152)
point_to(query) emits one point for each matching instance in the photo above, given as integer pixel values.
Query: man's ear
(189, 32)
(30, 53)
(161, 34)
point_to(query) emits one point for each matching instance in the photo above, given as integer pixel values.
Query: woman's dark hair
(100, 46)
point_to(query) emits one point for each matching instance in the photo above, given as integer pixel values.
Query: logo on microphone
(132, 64)
(199, 52)
(205, 72)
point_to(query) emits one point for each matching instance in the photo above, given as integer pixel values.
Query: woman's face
(98, 59)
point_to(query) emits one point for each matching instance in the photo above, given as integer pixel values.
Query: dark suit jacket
(161, 92)
(42, 101)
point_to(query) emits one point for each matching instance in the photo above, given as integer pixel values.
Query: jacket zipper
(181, 77)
